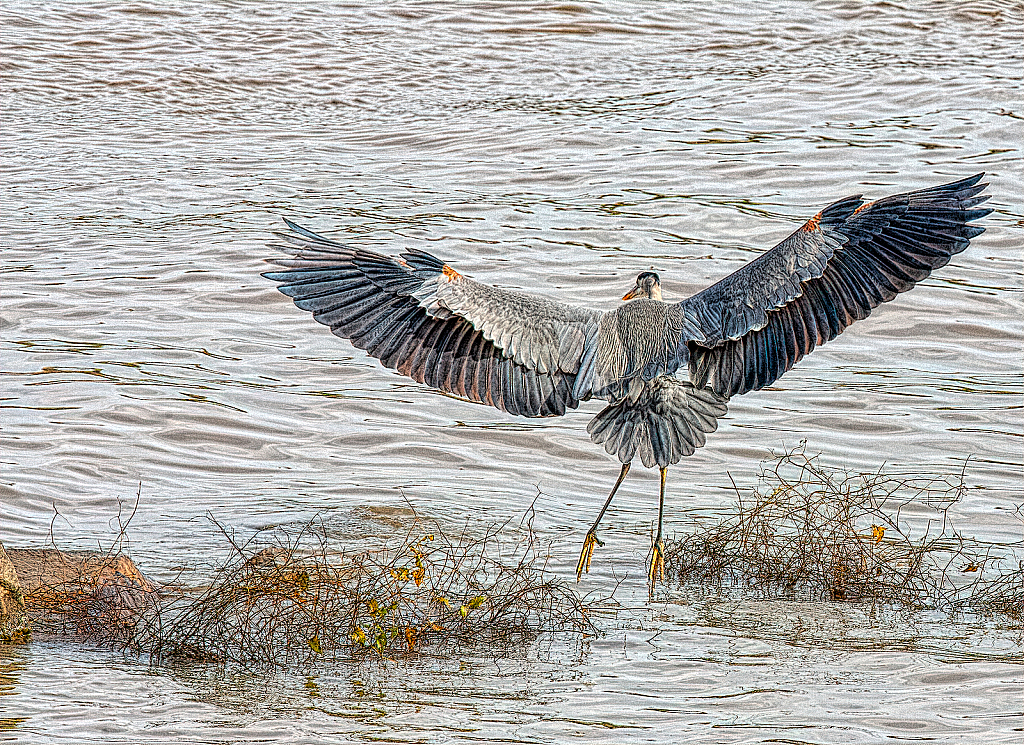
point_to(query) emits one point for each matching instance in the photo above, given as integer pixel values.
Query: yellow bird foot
(657, 564)
(587, 553)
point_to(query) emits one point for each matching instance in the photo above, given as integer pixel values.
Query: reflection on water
(12, 663)
(149, 152)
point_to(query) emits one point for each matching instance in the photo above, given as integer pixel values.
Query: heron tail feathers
(670, 419)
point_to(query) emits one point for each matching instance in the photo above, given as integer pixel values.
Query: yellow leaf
(314, 644)
(442, 600)
(359, 636)
(972, 567)
(410, 637)
(417, 576)
(464, 611)
(877, 531)
(477, 601)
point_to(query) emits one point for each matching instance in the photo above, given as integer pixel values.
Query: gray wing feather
(534, 331)
(760, 321)
(380, 304)
(740, 302)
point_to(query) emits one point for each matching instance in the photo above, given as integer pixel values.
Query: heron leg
(658, 556)
(591, 540)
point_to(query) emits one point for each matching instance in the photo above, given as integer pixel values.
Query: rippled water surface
(149, 151)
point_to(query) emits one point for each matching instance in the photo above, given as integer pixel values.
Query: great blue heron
(667, 369)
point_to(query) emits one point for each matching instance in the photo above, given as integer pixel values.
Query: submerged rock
(85, 593)
(49, 567)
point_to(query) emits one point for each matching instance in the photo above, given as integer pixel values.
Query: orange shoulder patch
(811, 225)
(861, 208)
(450, 273)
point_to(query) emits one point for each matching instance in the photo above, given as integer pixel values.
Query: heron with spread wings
(666, 369)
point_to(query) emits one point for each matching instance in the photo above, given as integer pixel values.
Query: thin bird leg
(658, 557)
(591, 539)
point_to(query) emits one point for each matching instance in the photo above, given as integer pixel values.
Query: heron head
(648, 285)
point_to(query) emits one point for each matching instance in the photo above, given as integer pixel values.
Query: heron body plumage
(666, 369)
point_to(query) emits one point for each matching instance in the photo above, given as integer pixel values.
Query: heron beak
(632, 293)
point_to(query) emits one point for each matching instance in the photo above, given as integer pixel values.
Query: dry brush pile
(289, 599)
(809, 532)
(297, 602)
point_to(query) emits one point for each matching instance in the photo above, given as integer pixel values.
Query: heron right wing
(851, 257)
(417, 315)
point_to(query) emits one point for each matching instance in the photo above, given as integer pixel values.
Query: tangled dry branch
(290, 600)
(810, 532)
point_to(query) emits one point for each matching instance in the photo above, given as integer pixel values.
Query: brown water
(148, 152)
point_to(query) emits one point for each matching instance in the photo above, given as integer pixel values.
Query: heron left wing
(851, 257)
(415, 314)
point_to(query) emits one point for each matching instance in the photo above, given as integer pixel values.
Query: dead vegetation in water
(283, 599)
(296, 598)
(296, 601)
(808, 532)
